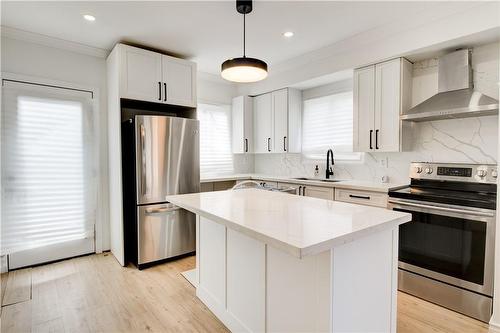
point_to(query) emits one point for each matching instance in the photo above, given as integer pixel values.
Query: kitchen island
(273, 262)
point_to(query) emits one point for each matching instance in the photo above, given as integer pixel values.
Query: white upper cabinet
(280, 115)
(277, 122)
(179, 77)
(381, 94)
(263, 123)
(241, 114)
(140, 74)
(154, 77)
(364, 108)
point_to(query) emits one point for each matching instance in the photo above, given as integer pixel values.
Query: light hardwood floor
(94, 294)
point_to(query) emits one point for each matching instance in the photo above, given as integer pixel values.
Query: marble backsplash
(469, 140)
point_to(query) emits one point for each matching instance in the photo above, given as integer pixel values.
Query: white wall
(55, 64)
(470, 140)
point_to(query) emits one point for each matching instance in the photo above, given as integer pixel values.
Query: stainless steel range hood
(456, 96)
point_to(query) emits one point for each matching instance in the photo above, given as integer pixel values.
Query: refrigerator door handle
(143, 160)
(164, 209)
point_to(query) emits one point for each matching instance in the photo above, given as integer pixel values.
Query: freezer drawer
(164, 231)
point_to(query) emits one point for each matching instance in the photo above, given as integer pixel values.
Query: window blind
(47, 182)
(216, 156)
(328, 124)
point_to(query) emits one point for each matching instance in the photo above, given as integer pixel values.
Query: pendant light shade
(243, 69)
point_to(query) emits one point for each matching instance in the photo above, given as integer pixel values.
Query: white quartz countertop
(298, 225)
(346, 184)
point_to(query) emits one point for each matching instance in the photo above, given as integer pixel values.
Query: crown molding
(31, 37)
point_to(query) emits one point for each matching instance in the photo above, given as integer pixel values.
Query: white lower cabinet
(362, 197)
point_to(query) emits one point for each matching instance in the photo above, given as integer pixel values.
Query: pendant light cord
(244, 35)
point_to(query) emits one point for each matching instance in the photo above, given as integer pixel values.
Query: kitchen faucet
(329, 170)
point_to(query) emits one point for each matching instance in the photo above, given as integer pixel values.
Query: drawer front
(361, 197)
(318, 192)
(291, 186)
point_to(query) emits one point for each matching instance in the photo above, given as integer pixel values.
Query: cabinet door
(263, 123)
(280, 117)
(241, 114)
(179, 81)
(318, 192)
(387, 105)
(140, 74)
(364, 104)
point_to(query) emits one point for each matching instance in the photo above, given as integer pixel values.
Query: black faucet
(329, 170)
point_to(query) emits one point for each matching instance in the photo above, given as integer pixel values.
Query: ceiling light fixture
(288, 34)
(89, 17)
(244, 69)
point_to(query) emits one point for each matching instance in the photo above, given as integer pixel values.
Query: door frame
(99, 150)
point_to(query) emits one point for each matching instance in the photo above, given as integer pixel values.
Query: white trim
(100, 211)
(31, 37)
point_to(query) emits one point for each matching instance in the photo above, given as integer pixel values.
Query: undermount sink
(319, 179)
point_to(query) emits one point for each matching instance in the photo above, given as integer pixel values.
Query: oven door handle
(443, 209)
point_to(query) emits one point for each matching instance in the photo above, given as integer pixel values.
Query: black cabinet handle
(359, 196)
(246, 145)
(284, 143)
(159, 91)
(376, 139)
(165, 88)
(268, 144)
(300, 190)
(303, 191)
(371, 135)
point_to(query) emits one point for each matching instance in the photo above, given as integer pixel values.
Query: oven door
(448, 243)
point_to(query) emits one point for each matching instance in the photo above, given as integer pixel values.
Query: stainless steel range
(446, 253)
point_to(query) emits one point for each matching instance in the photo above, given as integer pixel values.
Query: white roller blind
(328, 124)
(216, 156)
(48, 192)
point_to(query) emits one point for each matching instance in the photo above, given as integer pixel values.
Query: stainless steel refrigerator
(166, 163)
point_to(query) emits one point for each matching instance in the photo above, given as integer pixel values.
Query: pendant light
(244, 69)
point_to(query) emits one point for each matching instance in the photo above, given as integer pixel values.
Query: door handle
(284, 143)
(376, 139)
(164, 209)
(165, 88)
(142, 134)
(159, 91)
(268, 144)
(246, 145)
(371, 135)
(303, 191)
(300, 190)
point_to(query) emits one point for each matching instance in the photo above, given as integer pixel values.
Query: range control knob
(428, 170)
(418, 169)
(494, 173)
(482, 173)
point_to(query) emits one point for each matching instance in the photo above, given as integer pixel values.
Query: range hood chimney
(456, 97)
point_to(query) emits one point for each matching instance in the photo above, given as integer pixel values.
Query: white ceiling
(208, 32)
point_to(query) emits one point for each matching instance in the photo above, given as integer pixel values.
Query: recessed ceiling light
(288, 34)
(89, 17)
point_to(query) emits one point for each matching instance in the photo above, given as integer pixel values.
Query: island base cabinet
(255, 287)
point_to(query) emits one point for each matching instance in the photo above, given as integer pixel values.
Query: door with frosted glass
(48, 170)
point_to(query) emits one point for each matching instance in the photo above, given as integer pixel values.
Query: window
(216, 156)
(47, 171)
(327, 124)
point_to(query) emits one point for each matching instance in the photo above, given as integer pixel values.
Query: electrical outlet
(384, 161)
